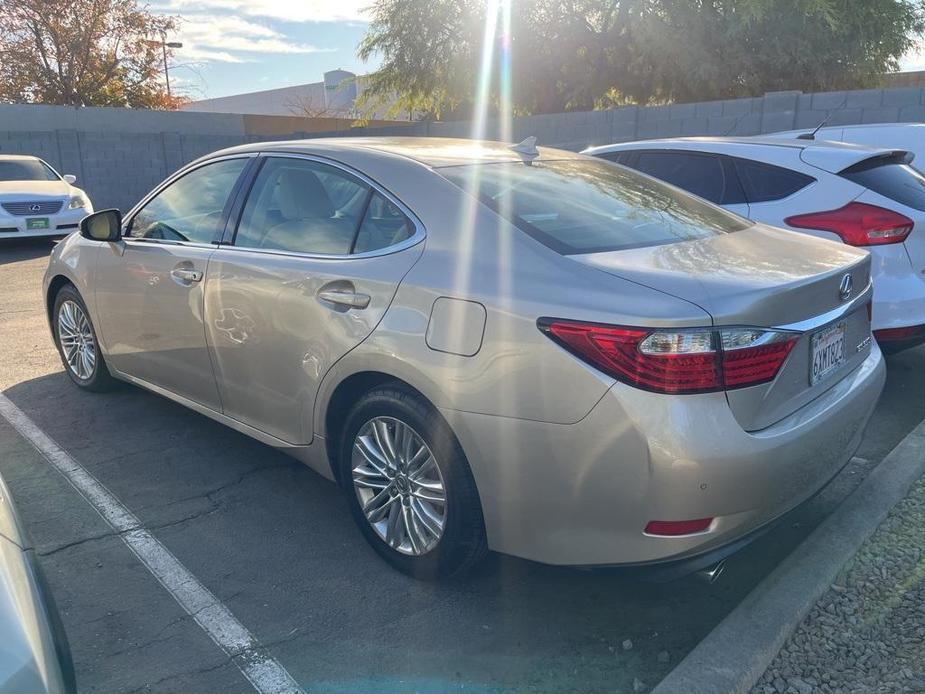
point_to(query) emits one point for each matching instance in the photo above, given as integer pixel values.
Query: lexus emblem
(35, 208)
(846, 286)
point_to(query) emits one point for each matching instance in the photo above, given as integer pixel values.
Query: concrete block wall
(120, 154)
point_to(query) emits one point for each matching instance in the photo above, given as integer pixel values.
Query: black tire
(462, 543)
(100, 380)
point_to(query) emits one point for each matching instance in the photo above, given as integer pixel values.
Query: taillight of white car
(858, 224)
(698, 360)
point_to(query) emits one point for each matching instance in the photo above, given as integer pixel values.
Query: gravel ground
(867, 633)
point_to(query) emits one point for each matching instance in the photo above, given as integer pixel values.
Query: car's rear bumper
(899, 289)
(582, 494)
(61, 224)
(893, 340)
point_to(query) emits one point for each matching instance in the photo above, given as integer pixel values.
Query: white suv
(858, 195)
(35, 200)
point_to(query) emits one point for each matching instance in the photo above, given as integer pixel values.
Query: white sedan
(35, 200)
(861, 196)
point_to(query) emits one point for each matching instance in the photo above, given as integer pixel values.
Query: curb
(733, 656)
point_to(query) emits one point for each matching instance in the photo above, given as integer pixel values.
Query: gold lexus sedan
(487, 346)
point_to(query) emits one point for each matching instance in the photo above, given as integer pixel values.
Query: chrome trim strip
(830, 316)
(142, 241)
(389, 250)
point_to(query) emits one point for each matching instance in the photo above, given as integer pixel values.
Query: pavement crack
(151, 686)
(180, 521)
(75, 543)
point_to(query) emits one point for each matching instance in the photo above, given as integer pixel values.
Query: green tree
(83, 53)
(582, 54)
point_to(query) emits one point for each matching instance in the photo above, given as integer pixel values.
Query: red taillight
(676, 361)
(675, 528)
(616, 351)
(858, 224)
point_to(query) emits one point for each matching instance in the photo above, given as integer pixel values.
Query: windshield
(26, 170)
(590, 206)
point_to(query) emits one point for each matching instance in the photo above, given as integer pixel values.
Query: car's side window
(302, 206)
(190, 208)
(766, 182)
(305, 206)
(623, 158)
(698, 173)
(384, 225)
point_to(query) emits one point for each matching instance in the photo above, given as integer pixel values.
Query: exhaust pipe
(712, 573)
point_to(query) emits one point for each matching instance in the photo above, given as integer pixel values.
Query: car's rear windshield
(26, 170)
(590, 206)
(891, 177)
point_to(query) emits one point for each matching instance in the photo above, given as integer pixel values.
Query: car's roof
(431, 151)
(822, 154)
(18, 157)
(726, 142)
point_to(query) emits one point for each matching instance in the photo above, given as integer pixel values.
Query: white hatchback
(907, 136)
(35, 200)
(861, 196)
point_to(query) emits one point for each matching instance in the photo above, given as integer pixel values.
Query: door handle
(185, 275)
(343, 297)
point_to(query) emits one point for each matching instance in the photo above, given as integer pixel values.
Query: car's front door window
(190, 208)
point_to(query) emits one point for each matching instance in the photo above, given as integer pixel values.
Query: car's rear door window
(892, 178)
(384, 225)
(302, 206)
(699, 173)
(306, 206)
(587, 205)
(766, 182)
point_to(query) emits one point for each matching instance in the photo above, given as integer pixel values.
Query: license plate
(828, 352)
(37, 223)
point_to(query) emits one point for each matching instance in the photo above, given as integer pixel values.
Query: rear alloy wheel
(409, 485)
(399, 486)
(77, 343)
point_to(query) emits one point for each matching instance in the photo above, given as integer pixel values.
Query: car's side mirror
(105, 225)
(70, 179)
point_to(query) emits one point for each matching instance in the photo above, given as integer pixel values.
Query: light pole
(164, 46)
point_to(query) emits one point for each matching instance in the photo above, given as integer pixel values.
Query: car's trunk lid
(762, 277)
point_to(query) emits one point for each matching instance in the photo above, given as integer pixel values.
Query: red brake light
(674, 528)
(858, 224)
(676, 361)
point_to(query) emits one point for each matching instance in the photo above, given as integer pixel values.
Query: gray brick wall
(120, 154)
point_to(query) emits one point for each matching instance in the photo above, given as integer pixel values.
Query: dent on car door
(316, 258)
(149, 287)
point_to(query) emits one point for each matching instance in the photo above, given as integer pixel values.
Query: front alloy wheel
(399, 485)
(78, 346)
(76, 341)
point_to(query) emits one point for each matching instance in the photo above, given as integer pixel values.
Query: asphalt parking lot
(275, 543)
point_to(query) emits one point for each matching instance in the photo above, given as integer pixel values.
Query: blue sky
(235, 46)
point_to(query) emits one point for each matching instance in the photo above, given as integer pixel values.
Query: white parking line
(262, 670)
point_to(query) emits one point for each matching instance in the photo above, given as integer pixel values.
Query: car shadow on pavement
(15, 250)
(276, 542)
